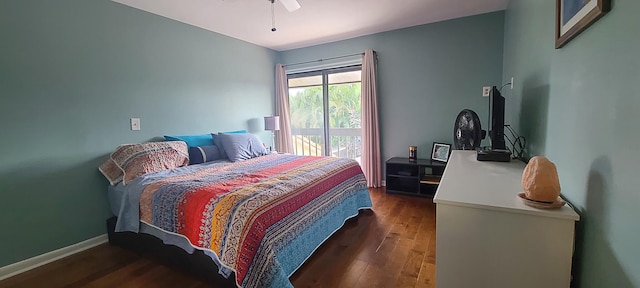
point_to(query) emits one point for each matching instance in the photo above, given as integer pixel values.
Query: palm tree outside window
(325, 109)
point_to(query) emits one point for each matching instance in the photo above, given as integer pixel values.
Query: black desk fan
(467, 131)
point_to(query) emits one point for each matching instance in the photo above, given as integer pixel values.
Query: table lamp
(272, 123)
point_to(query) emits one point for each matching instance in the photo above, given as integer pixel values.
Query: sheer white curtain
(283, 136)
(370, 131)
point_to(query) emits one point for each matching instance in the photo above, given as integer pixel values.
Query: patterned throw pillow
(111, 171)
(139, 159)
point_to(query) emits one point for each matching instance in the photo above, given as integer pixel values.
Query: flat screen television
(496, 114)
(498, 149)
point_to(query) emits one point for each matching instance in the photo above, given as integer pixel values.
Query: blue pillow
(202, 154)
(240, 147)
(230, 132)
(193, 140)
(217, 141)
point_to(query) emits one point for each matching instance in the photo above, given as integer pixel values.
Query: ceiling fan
(290, 5)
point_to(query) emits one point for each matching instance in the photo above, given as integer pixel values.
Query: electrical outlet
(485, 91)
(512, 83)
(135, 124)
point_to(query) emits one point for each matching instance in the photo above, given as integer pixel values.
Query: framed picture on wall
(440, 152)
(574, 16)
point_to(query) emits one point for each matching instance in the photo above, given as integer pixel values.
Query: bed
(255, 221)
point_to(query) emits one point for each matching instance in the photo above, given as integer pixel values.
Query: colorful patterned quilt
(261, 217)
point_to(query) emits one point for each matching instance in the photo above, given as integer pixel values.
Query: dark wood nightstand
(420, 177)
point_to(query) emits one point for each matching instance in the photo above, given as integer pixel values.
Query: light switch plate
(135, 124)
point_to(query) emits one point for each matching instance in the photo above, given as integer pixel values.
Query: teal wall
(427, 74)
(72, 73)
(579, 106)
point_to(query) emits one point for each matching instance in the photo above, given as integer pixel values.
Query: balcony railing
(345, 142)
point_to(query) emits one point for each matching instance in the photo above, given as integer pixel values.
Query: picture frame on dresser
(440, 152)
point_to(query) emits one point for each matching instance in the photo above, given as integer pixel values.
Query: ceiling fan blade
(290, 5)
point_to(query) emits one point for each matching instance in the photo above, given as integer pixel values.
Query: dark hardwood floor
(393, 246)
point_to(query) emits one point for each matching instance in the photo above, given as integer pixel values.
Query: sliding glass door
(326, 112)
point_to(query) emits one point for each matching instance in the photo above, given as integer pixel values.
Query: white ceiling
(317, 22)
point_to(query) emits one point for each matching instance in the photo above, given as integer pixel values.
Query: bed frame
(198, 263)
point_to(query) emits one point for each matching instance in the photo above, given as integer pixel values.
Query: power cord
(518, 143)
(505, 85)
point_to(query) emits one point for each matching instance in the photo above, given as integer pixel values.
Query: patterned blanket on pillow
(129, 161)
(262, 217)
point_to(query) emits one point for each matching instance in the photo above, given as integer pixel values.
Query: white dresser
(487, 237)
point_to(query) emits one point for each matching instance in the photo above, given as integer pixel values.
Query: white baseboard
(384, 183)
(37, 261)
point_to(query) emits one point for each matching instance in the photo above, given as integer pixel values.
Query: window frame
(325, 95)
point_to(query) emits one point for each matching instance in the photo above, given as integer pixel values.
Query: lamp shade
(272, 123)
